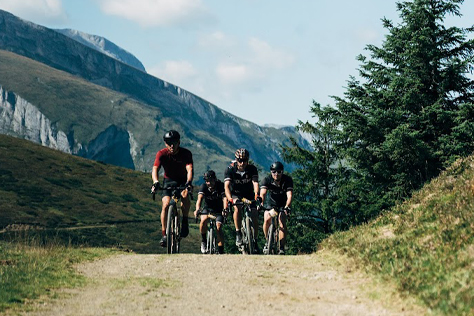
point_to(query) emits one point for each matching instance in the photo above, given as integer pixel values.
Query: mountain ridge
(206, 126)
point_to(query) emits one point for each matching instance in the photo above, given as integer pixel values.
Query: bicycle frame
(273, 235)
(211, 239)
(173, 223)
(248, 233)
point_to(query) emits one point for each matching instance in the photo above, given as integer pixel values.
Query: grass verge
(426, 245)
(28, 272)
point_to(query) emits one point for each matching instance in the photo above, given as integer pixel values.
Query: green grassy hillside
(426, 245)
(46, 194)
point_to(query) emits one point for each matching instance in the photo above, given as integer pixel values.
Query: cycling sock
(203, 238)
(163, 233)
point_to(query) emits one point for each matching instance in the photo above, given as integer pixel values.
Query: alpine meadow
(383, 185)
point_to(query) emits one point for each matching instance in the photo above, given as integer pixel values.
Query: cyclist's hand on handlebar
(155, 187)
(189, 186)
(258, 201)
(287, 210)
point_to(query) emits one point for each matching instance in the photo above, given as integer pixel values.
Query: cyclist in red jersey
(177, 163)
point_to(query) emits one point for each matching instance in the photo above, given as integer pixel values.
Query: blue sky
(262, 60)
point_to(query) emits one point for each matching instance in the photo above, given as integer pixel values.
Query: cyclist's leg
(220, 234)
(164, 218)
(282, 235)
(267, 219)
(185, 204)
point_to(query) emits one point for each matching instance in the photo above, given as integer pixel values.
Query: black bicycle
(211, 235)
(173, 222)
(248, 233)
(272, 246)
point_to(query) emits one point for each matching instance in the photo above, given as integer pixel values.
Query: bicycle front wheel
(170, 230)
(271, 240)
(250, 235)
(211, 241)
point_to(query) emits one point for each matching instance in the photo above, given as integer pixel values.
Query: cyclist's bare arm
(228, 194)
(190, 173)
(198, 204)
(154, 175)
(255, 188)
(263, 193)
(289, 198)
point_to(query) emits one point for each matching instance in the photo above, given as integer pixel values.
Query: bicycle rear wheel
(270, 241)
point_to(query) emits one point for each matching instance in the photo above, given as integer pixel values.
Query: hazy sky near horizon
(262, 60)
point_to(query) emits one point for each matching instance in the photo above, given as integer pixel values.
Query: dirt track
(191, 284)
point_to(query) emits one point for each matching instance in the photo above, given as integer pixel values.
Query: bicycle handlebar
(172, 188)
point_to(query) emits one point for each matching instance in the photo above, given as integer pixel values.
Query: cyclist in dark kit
(177, 163)
(241, 181)
(280, 189)
(213, 194)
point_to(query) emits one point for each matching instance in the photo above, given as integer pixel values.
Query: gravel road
(192, 284)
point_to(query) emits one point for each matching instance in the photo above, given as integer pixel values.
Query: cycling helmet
(276, 166)
(210, 174)
(242, 154)
(171, 136)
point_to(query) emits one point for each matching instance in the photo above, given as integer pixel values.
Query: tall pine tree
(410, 113)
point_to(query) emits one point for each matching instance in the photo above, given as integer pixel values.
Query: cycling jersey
(213, 199)
(174, 165)
(241, 181)
(277, 193)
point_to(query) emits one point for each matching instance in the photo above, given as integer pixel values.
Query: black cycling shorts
(171, 183)
(218, 215)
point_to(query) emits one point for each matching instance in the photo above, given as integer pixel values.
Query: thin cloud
(215, 41)
(152, 13)
(231, 74)
(39, 11)
(269, 57)
(258, 62)
(174, 71)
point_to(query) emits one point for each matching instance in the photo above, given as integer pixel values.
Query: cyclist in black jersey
(241, 181)
(280, 189)
(213, 194)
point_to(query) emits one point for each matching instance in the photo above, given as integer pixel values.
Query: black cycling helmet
(210, 174)
(277, 166)
(242, 154)
(171, 136)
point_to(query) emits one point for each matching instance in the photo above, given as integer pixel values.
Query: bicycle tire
(250, 236)
(169, 230)
(177, 232)
(209, 240)
(212, 241)
(270, 240)
(276, 240)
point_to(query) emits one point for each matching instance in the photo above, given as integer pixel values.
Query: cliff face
(21, 119)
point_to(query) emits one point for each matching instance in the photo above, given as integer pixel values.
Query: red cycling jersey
(174, 165)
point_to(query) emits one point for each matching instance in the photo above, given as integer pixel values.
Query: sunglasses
(242, 160)
(171, 143)
(277, 171)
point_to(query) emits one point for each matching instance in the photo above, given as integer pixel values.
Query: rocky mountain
(64, 94)
(104, 46)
